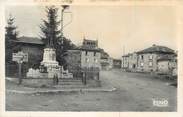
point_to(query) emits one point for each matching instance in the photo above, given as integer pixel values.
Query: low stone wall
(35, 73)
(48, 82)
(34, 82)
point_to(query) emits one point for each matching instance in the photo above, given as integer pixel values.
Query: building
(125, 62)
(106, 61)
(159, 59)
(167, 64)
(34, 47)
(132, 61)
(148, 58)
(116, 63)
(90, 54)
(86, 56)
(31, 45)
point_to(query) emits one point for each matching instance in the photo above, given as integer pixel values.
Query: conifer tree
(51, 32)
(10, 38)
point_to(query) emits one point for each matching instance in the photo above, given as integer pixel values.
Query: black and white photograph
(91, 58)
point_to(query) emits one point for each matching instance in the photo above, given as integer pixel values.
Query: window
(94, 53)
(95, 60)
(141, 64)
(87, 60)
(86, 53)
(142, 57)
(150, 64)
(150, 56)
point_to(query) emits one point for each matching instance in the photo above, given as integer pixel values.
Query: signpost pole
(20, 57)
(20, 72)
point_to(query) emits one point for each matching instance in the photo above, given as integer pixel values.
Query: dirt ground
(135, 92)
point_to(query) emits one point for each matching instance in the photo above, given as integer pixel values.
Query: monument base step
(70, 86)
(69, 82)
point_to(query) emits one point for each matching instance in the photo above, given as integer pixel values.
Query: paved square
(135, 92)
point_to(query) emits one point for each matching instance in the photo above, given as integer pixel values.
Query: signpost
(20, 57)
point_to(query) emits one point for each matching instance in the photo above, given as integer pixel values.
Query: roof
(116, 60)
(85, 49)
(88, 40)
(158, 49)
(88, 49)
(89, 44)
(165, 58)
(126, 55)
(30, 40)
(104, 55)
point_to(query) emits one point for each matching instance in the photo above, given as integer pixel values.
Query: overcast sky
(115, 27)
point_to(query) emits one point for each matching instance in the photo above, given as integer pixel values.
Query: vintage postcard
(91, 58)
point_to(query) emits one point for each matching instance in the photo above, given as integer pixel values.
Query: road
(135, 92)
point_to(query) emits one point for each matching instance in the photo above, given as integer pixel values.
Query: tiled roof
(126, 55)
(104, 55)
(162, 58)
(30, 40)
(157, 48)
(88, 49)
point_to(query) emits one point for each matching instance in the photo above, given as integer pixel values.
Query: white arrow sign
(20, 57)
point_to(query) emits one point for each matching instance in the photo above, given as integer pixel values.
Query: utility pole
(62, 12)
(62, 22)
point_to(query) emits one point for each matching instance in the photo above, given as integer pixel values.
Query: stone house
(116, 63)
(106, 61)
(30, 44)
(90, 54)
(167, 64)
(125, 62)
(148, 58)
(132, 62)
(86, 56)
(34, 47)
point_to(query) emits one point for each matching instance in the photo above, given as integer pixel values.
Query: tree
(10, 38)
(49, 28)
(67, 44)
(51, 35)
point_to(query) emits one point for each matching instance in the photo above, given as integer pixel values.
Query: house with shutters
(90, 54)
(167, 65)
(117, 63)
(31, 45)
(106, 61)
(129, 62)
(133, 61)
(149, 57)
(125, 62)
(85, 56)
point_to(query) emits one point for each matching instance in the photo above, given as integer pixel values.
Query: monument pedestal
(52, 66)
(49, 61)
(49, 58)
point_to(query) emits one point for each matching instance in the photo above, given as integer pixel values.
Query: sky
(118, 29)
